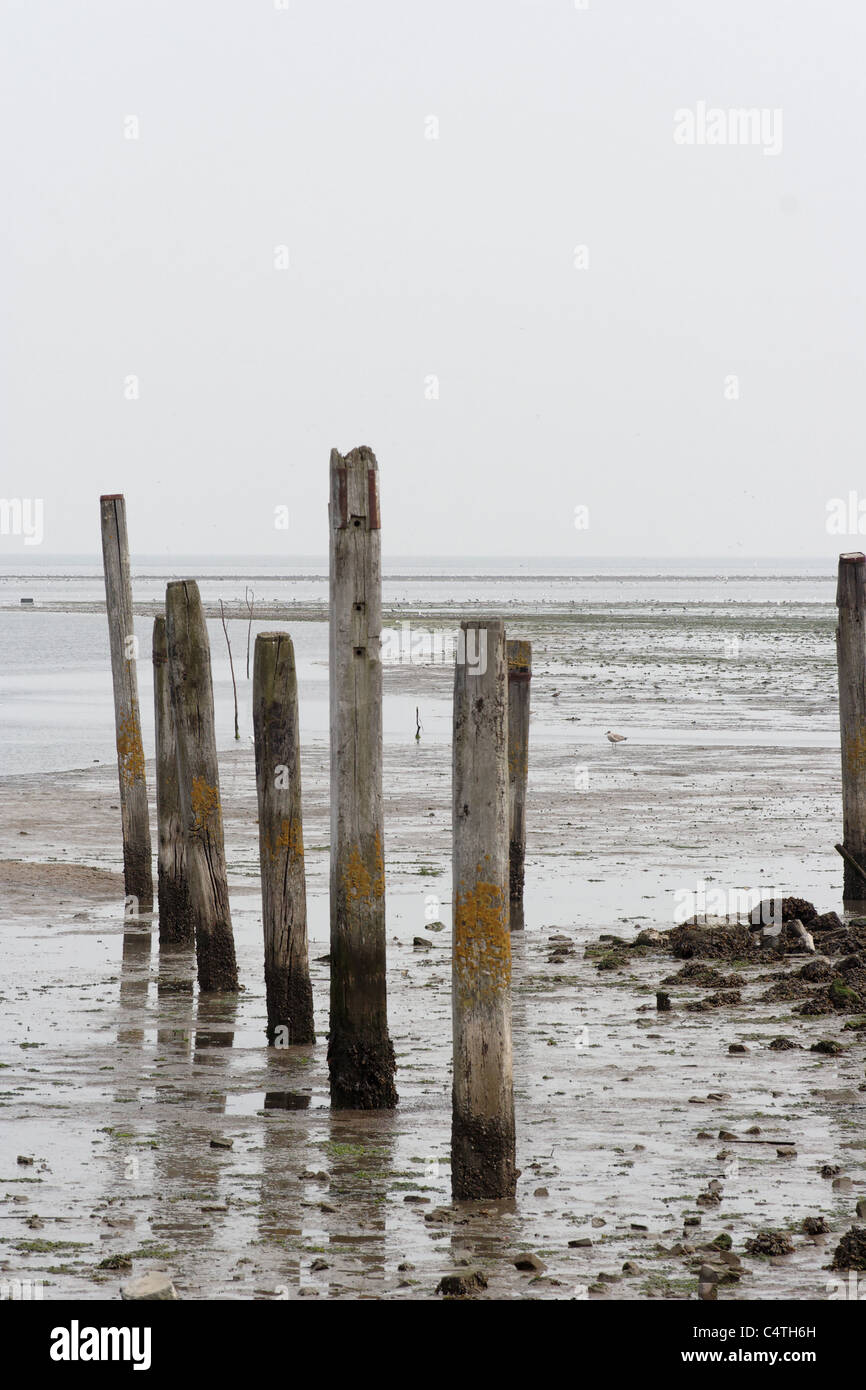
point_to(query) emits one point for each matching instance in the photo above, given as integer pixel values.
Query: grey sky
(412, 257)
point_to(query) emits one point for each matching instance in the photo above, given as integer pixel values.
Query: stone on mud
(154, 1287)
(850, 1253)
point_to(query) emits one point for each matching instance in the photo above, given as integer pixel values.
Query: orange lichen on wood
(482, 942)
(855, 752)
(130, 752)
(358, 883)
(206, 810)
(290, 838)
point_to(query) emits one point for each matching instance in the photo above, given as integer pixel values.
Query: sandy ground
(117, 1077)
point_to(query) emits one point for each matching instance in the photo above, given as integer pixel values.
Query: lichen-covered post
(482, 1125)
(191, 685)
(519, 655)
(360, 1051)
(172, 890)
(281, 841)
(851, 662)
(135, 821)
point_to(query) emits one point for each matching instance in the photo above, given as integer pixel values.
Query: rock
(708, 1199)
(405, 1266)
(815, 1226)
(318, 1265)
(605, 1278)
(421, 942)
(826, 921)
(736, 1048)
(463, 1284)
(438, 1214)
(783, 1045)
(326, 1207)
(527, 1262)
(631, 1269)
(707, 1292)
(584, 1243)
(850, 1253)
(649, 937)
(24, 1160)
(541, 1192)
(155, 1287)
(721, 1242)
(828, 1046)
(598, 1221)
(830, 1170)
(414, 1197)
(435, 926)
(222, 1143)
(802, 937)
(860, 1208)
(786, 1151)
(692, 1221)
(708, 1275)
(770, 1243)
(663, 1001)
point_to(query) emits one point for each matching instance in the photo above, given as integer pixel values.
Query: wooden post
(191, 685)
(135, 822)
(851, 662)
(172, 890)
(482, 1126)
(360, 1052)
(519, 656)
(281, 841)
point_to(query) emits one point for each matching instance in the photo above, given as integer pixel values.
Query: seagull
(615, 738)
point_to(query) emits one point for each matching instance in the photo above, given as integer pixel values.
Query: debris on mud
(770, 1243)
(850, 1253)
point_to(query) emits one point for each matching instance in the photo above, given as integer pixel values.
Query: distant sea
(55, 678)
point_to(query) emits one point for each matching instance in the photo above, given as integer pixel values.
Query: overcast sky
(693, 377)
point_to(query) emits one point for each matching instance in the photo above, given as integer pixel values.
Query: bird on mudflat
(615, 738)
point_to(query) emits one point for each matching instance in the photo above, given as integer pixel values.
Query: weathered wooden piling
(135, 822)
(281, 841)
(851, 663)
(191, 685)
(482, 1126)
(172, 889)
(360, 1052)
(519, 656)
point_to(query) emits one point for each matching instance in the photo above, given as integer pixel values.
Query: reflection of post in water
(216, 1016)
(286, 1153)
(134, 980)
(174, 989)
(360, 1160)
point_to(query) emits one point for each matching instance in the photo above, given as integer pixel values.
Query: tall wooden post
(482, 1126)
(360, 1052)
(135, 822)
(172, 889)
(191, 685)
(519, 656)
(851, 661)
(281, 840)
